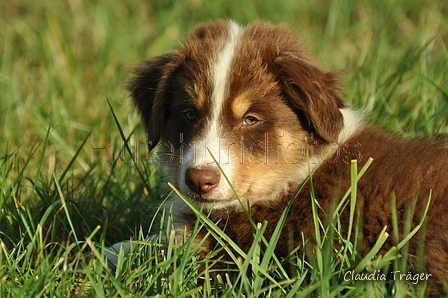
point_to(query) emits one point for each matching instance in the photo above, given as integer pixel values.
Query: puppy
(252, 101)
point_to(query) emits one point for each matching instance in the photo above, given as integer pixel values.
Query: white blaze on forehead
(197, 155)
(220, 72)
(221, 68)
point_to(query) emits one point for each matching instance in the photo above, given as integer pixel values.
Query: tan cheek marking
(262, 174)
(241, 104)
(291, 147)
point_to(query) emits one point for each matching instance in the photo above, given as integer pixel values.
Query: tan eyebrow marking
(241, 104)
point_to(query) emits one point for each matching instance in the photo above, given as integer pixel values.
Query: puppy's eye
(250, 120)
(190, 115)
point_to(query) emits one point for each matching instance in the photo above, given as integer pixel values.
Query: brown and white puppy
(252, 100)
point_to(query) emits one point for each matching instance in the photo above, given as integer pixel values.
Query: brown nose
(202, 181)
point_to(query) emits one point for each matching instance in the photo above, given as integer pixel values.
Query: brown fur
(273, 78)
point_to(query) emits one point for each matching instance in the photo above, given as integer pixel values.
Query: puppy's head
(241, 107)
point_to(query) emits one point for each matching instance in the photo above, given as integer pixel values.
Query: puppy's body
(251, 100)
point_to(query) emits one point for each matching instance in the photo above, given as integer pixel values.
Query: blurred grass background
(62, 61)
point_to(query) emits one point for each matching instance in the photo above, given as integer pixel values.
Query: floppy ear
(149, 91)
(314, 94)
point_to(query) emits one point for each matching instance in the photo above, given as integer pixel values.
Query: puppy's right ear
(150, 89)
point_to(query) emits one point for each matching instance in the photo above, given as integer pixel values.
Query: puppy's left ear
(149, 91)
(315, 95)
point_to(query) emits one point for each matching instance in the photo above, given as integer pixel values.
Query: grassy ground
(68, 188)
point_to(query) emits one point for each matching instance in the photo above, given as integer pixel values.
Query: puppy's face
(236, 112)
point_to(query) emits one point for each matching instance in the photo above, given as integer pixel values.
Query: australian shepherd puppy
(252, 101)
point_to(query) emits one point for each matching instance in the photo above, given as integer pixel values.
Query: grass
(68, 185)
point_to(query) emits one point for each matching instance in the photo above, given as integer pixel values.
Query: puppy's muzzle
(202, 181)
